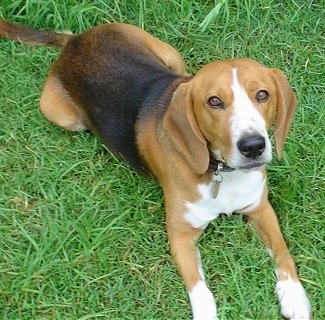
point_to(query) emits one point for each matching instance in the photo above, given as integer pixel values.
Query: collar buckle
(219, 166)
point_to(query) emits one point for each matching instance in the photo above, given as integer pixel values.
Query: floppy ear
(182, 128)
(286, 105)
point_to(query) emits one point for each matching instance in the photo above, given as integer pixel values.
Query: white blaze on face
(245, 121)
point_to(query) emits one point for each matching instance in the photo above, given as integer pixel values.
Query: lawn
(82, 236)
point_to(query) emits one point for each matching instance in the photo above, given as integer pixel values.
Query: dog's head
(226, 110)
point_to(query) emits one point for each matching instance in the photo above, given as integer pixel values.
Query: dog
(204, 138)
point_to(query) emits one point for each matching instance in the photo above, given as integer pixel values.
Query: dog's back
(114, 77)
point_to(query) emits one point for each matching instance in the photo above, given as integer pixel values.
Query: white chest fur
(239, 192)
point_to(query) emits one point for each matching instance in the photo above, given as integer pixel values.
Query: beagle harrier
(204, 138)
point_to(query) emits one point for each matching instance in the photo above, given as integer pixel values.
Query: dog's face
(230, 107)
(234, 108)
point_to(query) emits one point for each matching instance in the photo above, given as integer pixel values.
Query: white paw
(202, 302)
(294, 303)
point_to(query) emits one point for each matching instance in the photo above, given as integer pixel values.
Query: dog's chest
(238, 192)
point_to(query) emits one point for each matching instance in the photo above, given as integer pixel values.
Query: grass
(82, 236)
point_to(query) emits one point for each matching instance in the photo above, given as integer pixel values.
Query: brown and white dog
(204, 138)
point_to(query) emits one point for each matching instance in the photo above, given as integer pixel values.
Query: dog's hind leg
(169, 56)
(59, 108)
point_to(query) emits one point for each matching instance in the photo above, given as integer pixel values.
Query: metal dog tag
(215, 190)
(217, 179)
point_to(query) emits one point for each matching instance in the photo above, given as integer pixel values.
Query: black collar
(219, 165)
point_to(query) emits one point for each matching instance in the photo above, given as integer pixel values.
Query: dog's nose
(251, 146)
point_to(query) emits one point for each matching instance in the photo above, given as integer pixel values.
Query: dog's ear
(286, 105)
(183, 130)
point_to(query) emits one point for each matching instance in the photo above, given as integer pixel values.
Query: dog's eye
(215, 103)
(262, 96)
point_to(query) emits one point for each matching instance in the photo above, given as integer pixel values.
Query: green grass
(83, 237)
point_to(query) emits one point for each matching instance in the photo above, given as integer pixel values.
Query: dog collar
(219, 165)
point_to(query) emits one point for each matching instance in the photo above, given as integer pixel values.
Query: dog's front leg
(182, 238)
(294, 303)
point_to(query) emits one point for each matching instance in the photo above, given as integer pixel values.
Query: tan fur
(286, 106)
(169, 56)
(66, 113)
(183, 129)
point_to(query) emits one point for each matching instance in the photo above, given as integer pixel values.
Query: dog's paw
(202, 302)
(294, 303)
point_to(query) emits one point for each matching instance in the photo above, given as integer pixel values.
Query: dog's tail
(32, 36)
